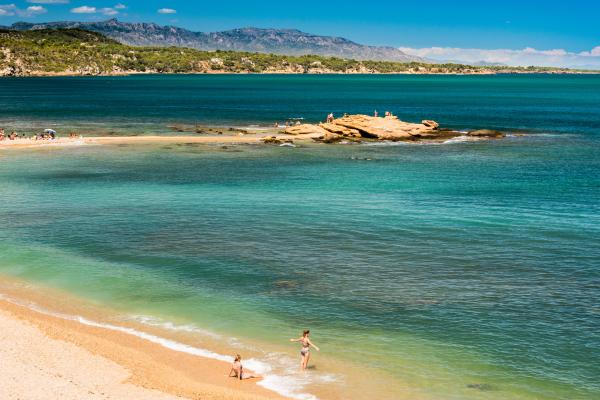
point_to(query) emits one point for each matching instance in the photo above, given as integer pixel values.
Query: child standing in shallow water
(305, 350)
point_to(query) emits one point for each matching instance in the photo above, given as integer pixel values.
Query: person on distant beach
(305, 350)
(376, 114)
(2, 137)
(237, 370)
(330, 118)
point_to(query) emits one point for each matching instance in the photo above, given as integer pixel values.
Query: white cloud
(36, 10)
(108, 11)
(167, 11)
(120, 6)
(9, 10)
(595, 52)
(524, 57)
(48, 1)
(5, 12)
(84, 10)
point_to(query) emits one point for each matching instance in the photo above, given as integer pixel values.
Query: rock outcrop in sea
(486, 133)
(391, 128)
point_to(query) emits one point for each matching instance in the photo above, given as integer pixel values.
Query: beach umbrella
(50, 131)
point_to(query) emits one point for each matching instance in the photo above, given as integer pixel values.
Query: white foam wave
(159, 323)
(386, 143)
(461, 139)
(254, 127)
(286, 386)
(169, 344)
(289, 385)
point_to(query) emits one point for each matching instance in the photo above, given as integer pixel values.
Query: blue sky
(543, 25)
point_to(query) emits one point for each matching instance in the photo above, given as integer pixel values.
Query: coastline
(50, 350)
(252, 138)
(45, 74)
(156, 359)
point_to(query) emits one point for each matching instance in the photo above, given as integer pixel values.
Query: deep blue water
(567, 104)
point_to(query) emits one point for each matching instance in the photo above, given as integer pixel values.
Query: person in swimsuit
(237, 370)
(305, 349)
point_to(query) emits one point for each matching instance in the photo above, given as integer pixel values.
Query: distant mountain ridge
(256, 40)
(79, 52)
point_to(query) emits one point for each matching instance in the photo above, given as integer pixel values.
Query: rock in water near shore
(488, 133)
(331, 137)
(484, 387)
(279, 141)
(305, 129)
(271, 140)
(286, 284)
(387, 128)
(430, 124)
(356, 127)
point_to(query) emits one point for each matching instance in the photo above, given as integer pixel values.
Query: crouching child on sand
(237, 370)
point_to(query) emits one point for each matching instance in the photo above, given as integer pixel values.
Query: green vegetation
(79, 52)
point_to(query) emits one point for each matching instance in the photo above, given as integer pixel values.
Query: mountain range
(256, 40)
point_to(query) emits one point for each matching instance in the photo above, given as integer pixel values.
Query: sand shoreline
(159, 359)
(41, 352)
(253, 138)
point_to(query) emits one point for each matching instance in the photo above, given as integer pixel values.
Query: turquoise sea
(464, 270)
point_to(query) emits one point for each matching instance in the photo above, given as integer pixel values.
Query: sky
(509, 31)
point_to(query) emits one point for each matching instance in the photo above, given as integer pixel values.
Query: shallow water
(467, 270)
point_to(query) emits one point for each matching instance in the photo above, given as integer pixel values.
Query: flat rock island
(389, 128)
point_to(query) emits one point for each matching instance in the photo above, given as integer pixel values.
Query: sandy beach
(252, 138)
(42, 354)
(33, 364)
